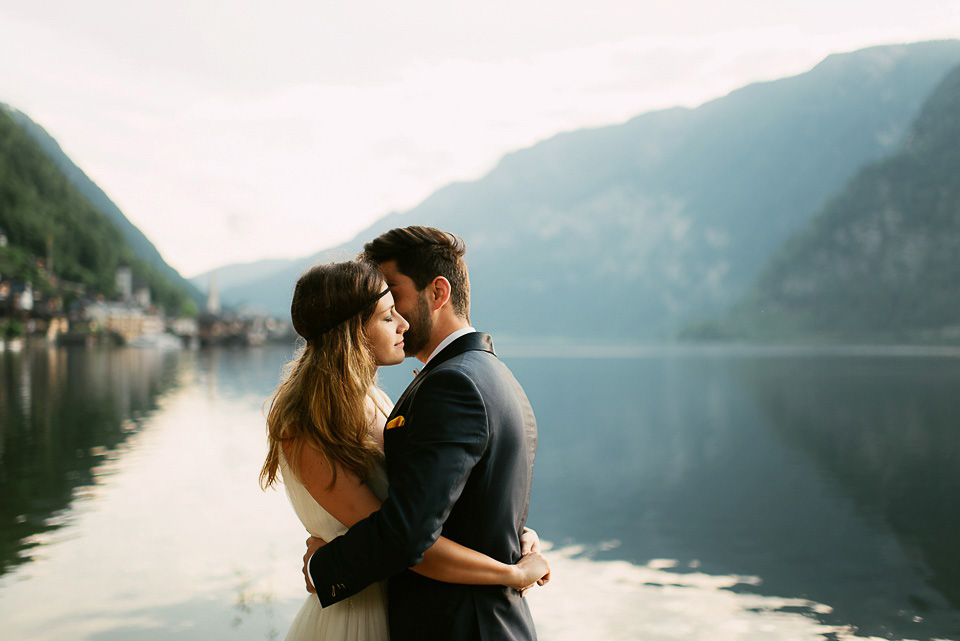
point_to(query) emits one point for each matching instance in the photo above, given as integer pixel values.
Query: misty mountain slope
(140, 244)
(882, 260)
(635, 229)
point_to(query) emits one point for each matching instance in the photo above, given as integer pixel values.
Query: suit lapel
(394, 438)
(467, 342)
(403, 397)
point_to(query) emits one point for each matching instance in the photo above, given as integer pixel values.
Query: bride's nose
(403, 325)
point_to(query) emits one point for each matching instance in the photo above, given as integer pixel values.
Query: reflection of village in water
(64, 313)
(63, 413)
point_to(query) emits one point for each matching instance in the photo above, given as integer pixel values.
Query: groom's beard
(421, 326)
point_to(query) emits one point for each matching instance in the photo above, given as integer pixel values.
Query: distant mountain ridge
(236, 276)
(635, 230)
(92, 192)
(882, 260)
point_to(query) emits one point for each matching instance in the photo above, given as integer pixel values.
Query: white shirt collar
(449, 339)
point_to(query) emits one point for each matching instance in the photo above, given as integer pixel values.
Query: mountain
(235, 277)
(141, 246)
(632, 231)
(881, 261)
(42, 214)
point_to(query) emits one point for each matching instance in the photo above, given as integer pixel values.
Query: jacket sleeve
(447, 435)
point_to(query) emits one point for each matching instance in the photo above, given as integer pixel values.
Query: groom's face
(412, 305)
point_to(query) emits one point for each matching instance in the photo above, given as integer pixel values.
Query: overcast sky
(234, 130)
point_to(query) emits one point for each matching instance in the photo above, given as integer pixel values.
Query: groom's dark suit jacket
(459, 453)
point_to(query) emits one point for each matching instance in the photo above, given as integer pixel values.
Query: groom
(459, 454)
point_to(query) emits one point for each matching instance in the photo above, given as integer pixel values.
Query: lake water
(694, 493)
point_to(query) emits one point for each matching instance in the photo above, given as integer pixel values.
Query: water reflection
(619, 600)
(179, 540)
(694, 496)
(63, 413)
(884, 430)
(687, 457)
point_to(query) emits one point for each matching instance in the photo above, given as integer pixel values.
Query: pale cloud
(310, 124)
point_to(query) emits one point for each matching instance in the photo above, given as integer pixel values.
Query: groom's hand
(314, 543)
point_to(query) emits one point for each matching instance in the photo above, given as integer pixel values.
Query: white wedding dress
(362, 617)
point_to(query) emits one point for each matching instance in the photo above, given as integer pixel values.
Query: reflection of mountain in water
(885, 430)
(62, 413)
(671, 456)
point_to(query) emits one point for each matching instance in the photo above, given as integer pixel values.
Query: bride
(325, 438)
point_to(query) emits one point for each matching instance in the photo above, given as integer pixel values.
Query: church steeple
(213, 298)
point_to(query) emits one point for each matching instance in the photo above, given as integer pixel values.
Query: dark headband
(359, 310)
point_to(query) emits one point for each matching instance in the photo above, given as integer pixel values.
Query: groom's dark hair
(423, 253)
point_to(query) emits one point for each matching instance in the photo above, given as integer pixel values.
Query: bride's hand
(531, 569)
(529, 541)
(314, 543)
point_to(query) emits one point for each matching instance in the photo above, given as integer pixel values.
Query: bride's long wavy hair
(321, 400)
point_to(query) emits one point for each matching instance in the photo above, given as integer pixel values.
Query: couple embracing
(443, 552)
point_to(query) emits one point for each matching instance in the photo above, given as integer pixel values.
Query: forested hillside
(140, 244)
(42, 214)
(882, 260)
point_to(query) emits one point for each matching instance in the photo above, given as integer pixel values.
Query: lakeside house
(126, 320)
(58, 311)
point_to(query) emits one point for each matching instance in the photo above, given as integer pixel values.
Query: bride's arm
(350, 500)
(450, 562)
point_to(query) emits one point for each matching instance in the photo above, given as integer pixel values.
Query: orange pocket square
(397, 422)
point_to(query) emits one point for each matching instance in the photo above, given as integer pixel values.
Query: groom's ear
(439, 290)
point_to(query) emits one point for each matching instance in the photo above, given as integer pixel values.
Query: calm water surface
(687, 494)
